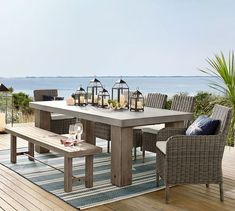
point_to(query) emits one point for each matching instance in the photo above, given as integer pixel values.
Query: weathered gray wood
(42, 120)
(89, 131)
(13, 148)
(89, 171)
(68, 174)
(122, 121)
(121, 159)
(52, 142)
(124, 118)
(31, 150)
(179, 124)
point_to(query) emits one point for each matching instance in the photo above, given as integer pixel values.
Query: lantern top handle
(120, 83)
(3, 88)
(95, 80)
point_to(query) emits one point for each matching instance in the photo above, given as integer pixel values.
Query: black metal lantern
(103, 98)
(80, 97)
(137, 101)
(93, 89)
(120, 93)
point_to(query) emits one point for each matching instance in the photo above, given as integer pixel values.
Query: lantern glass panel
(93, 89)
(103, 98)
(80, 97)
(137, 101)
(120, 93)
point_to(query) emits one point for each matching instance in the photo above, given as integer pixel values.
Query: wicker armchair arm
(167, 132)
(193, 159)
(195, 146)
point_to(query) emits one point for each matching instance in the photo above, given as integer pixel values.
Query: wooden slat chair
(197, 159)
(149, 137)
(59, 122)
(153, 100)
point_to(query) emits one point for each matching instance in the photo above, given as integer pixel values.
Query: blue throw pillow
(47, 98)
(203, 125)
(50, 98)
(59, 98)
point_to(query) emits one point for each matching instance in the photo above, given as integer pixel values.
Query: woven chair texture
(193, 159)
(179, 103)
(59, 126)
(153, 100)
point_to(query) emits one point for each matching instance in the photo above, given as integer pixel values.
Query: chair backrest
(38, 94)
(183, 103)
(156, 100)
(224, 114)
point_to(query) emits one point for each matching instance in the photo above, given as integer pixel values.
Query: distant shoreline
(153, 76)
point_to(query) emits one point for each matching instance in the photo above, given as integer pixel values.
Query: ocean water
(169, 85)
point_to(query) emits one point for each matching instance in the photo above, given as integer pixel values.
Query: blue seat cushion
(50, 98)
(203, 125)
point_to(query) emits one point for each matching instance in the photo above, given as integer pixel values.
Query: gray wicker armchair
(185, 159)
(153, 100)
(149, 137)
(59, 123)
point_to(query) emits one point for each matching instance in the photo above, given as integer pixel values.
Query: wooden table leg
(31, 151)
(13, 148)
(89, 171)
(121, 160)
(42, 120)
(175, 124)
(68, 174)
(89, 132)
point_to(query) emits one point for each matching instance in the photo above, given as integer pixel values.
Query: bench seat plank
(51, 141)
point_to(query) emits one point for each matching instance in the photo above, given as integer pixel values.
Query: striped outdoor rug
(144, 179)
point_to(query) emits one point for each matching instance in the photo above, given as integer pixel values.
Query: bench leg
(89, 171)
(31, 151)
(13, 149)
(68, 176)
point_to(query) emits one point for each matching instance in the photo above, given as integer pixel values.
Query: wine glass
(79, 128)
(72, 132)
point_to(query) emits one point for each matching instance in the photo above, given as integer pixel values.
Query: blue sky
(112, 37)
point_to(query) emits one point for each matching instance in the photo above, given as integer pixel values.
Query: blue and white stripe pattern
(144, 178)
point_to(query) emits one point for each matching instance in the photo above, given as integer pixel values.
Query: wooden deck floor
(17, 193)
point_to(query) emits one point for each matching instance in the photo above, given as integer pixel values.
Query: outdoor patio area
(184, 197)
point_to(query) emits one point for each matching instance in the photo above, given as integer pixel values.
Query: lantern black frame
(102, 96)
(79, 94)
(121, 88)
(136, 96)
(93, 88)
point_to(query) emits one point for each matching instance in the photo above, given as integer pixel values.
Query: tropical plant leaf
(224, 73)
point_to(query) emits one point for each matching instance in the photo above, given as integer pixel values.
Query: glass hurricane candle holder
(103, 98)
(120, 93)
(80, 97)
(137, 101)
(93, 88)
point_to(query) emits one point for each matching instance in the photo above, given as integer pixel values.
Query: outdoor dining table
(122, 123)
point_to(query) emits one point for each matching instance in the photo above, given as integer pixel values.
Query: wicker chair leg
(108, 147)
(221, 190)
(207, 185)
(143, 155)
(134, 153)
(167, 194)
(157, 178)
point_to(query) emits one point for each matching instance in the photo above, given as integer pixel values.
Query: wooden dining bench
(51, 141)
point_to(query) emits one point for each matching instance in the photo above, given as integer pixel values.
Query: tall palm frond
(224, 72)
